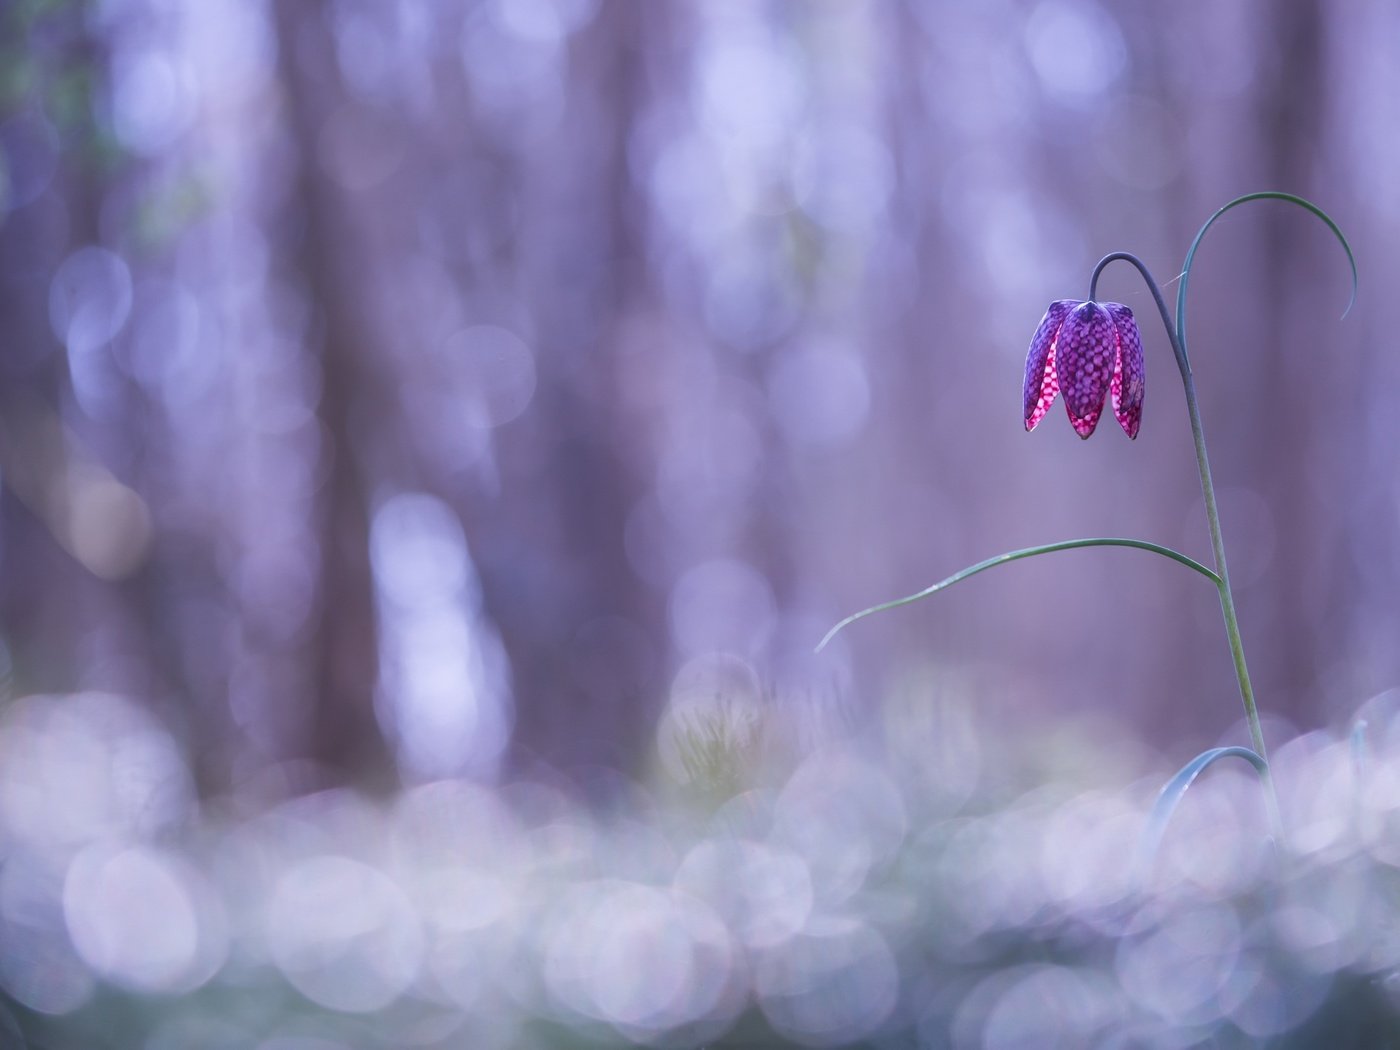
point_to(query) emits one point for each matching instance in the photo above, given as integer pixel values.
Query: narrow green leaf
(1358, 772)
(1010, 556)
(1175, 788)
(1358, 748)
(1264, 195)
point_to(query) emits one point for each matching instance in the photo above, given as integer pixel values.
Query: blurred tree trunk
(66, 626)
(1289, 441)
(40, 613)
(346, 736)
(586, 277)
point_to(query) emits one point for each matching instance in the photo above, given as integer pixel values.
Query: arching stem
(1217, 542)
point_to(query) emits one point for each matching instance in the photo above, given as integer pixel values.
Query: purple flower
(1086, 350)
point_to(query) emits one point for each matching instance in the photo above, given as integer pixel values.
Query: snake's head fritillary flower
(1086, 351)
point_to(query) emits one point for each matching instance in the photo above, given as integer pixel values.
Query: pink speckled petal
(1042, 385)
(1084, 425)
(1086, 350)
(1129, 370)
(1049, 390)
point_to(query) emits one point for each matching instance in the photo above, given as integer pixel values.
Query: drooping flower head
(1086, 350)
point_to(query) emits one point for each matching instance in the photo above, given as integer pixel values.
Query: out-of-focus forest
(399, 390)
(435, 434)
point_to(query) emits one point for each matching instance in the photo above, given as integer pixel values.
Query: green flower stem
(1217, 542)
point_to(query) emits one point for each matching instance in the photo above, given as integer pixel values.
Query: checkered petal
(1042, 385)
(1128, 370)
(1085, 352)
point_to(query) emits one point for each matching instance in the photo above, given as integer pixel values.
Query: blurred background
(393, 390)
(434, 435)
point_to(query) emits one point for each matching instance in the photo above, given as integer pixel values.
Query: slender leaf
(1264, 195)
(1358, 773)
(1174, 789)
(1010, 556)
(1358, 748)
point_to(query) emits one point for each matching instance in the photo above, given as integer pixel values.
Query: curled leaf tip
(1290, 198)
(1172, 791)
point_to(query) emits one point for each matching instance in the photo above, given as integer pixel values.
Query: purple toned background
(392, 390)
